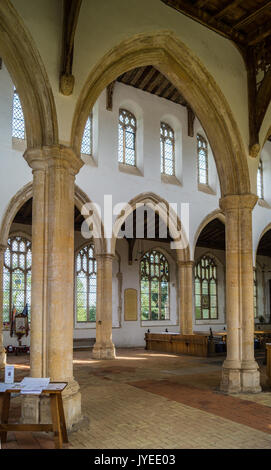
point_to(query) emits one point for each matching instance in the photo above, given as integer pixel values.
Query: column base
(187, 332)
(3, 358)
(231, 380)
(244, 378)
(38, 409)
(104, 352)
(250, 377)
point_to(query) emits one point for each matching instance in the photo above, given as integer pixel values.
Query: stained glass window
(127, 138)
(86, 145)
(18, 128)
(86, 284)
(255, 296)
(260, 180)
(206, 289)
(154, 286)
(17, 276)
(202, 148)
(167, 149)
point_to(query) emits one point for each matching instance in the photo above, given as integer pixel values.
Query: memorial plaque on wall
(130, 305)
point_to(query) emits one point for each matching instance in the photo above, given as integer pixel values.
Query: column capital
(55, 156)
(238, 201)
(185, 264)
(35, 159)
(103, 256)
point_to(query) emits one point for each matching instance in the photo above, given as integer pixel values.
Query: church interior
(135, 221)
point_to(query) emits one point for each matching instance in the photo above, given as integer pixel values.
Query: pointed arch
(170, 218)
(264, 231)
(26, 193)
(172, 58)
(27, 71)
(216, 214)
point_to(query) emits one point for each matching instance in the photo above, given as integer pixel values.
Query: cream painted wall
(104, 24)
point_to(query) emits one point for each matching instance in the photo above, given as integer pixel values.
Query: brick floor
(152, 400)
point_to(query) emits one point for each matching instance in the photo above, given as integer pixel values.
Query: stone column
(104, 347)
(38, 346)
(185, 275)
(51, 353)
(240, 370)
(2, 349)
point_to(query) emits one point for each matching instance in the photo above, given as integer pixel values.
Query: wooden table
(58, 425)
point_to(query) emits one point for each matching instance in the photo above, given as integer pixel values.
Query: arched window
(127, 138)
(202, 150)
(18, 128)
(16, 276)
(255, 293)
(206, 289)
(167, 149)
(154, 286)
(86, 282)
(86, 146)
(260, 180)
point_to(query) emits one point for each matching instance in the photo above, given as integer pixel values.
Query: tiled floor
(153, 400)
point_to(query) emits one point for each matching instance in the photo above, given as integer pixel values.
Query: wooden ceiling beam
(263, 98)
(137, 76)
(71, 9)
(259, 35)
(201, 3)
(151, 80)
(252, 16)
(109, 96)
(222, 12)
(148, 77)
(190, 122)
(206, 19)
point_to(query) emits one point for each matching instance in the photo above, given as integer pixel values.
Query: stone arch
(27, 71)
(80, 198)
(216, 214)
(264, 231)
(171, 220)
(172, 57)
(15, 204)
(26, 193)
(211, 255)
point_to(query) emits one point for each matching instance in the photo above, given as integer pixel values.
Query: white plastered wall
(102, 25)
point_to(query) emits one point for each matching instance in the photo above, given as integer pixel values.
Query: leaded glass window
(260, 180)
(86, 285)
(167, 149)
(154, 286)
(18, 128)
(127, 138)
(206, 289)
(16, 276)
(202, 148)
(255, 294)
(86, 146)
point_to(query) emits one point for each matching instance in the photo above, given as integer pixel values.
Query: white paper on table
(34, 385)
(6, 386)
(30, 391)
